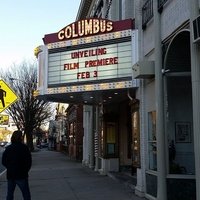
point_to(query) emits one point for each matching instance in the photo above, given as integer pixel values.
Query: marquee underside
(91, 97)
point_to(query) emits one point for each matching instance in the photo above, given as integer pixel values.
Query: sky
(23, 24)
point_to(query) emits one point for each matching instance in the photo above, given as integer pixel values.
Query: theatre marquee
(88, 54)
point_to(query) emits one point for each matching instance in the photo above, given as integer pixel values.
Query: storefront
(89, 62)
(170, 172)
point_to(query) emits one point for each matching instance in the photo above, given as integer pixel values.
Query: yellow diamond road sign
(7, 96)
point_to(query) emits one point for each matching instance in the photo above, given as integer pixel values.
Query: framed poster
(183, 132)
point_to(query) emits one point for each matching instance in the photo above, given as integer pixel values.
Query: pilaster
(160, 134)
(195, 71)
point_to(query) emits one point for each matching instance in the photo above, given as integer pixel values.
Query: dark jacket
(17, 160)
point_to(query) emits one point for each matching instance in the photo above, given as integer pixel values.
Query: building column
(160, 134)
(91, 138)
(195, 73)
(141, 172)
(140, 187)
(85, 160)
(88, 139)
(96, 139)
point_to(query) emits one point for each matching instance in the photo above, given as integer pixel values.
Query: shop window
(179, 130)
(109, 140)
(182, 137)
(136, 138)
(152, 143)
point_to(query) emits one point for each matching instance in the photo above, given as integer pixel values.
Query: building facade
(89, 63)
(57, 128)
(152, 127)
(74, 134)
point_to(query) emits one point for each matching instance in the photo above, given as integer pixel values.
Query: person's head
(16, 137)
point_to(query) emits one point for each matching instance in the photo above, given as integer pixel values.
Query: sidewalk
(54, 177)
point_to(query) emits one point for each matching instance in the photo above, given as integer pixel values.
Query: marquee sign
(90, 64)
(89, 51)
(85, 27)
(88, 27)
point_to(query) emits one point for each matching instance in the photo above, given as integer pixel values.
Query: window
(179, 131)
(152, 143)
(161, 4)
(109, 140)
(147, 13)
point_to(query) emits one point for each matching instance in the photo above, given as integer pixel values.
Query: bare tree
(28, 112)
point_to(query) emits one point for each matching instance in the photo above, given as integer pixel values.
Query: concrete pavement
(55, 177)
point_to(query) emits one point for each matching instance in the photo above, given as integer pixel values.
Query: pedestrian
(17, 160)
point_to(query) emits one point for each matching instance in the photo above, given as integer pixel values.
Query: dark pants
(22, 184)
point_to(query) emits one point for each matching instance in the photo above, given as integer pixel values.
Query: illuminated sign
(85, 27)
(89, 39)
(88, 55)
(90, 64)
(93, 87)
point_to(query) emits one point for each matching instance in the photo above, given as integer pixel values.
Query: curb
(126, 183)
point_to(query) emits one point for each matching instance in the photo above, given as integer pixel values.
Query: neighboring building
(52, 134)
(145, 117)
(168, 113)
(60, 119)
(75, 131)
(57, 127)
